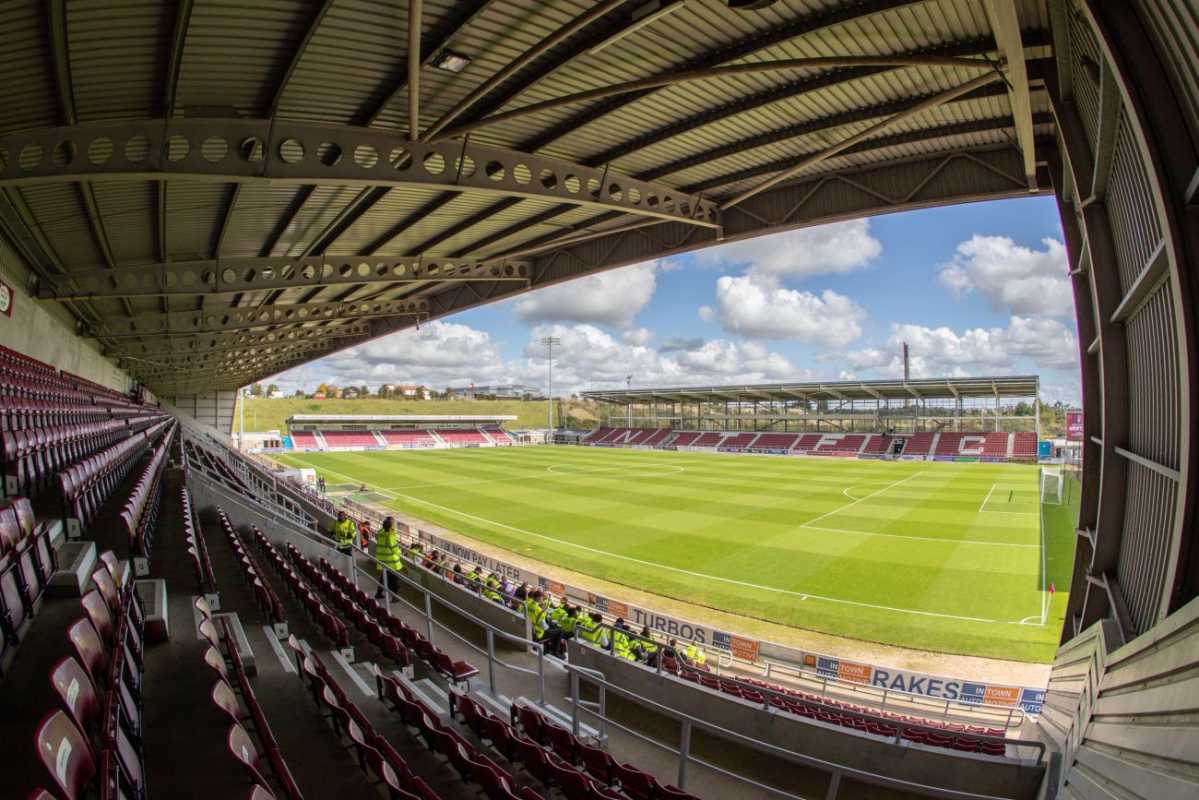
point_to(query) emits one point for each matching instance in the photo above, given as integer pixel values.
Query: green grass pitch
(938, 556)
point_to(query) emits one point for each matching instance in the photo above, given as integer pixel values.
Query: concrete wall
(46, 331)
(924, 765)
(210, 408)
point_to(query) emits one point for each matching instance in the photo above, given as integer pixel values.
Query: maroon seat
(78, 693)
(89, 648)
(244, 751)
(258, 793)
(66, 755)
(635, 783)
(597, 762)
(573, 784)
(531, 723)
(97, 611)
(225, 699)
(564, 743)
(669, 792)
(107, 588)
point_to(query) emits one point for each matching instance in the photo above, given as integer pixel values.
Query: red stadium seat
(66, 755)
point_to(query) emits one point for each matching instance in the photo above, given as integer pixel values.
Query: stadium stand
(408, 438)
(996, 445)
(739, 440)
(919, 444)
(709, 439)
(807, 443)
(1024, 446)
(349, 439)
(877, 444)
(498, 435)
(462, 436)
(776, 441)
(841, 445)
(305, 440)
(684, 438)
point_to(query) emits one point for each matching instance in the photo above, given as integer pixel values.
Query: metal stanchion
(491, 661)
(684, 753)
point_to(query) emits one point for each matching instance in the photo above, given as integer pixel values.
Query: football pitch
(948, 557)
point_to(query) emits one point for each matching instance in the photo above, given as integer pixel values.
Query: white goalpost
(1051, 486)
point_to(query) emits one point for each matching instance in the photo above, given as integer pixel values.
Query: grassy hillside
(268, 415)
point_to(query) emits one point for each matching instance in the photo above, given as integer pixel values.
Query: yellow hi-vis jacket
(387, 550)
(344, 533)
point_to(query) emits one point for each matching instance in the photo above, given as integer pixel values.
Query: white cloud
(834, 248)
(942, 351)
(707, 313)
(1015, 279)
(444, 354)
(640, 336)
(613, 297)
(763, 310)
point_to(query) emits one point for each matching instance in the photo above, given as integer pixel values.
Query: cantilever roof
(930, 388)
(221, 191)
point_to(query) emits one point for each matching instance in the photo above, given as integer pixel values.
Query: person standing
(387, 555)
(343, 533)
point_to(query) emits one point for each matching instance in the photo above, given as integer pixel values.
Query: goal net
(1051, 486)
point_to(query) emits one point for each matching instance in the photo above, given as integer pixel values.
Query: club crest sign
(6, 299)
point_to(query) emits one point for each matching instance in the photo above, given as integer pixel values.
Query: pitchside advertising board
(933, 686)
(1074, 426)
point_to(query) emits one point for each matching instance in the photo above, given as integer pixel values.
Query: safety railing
(688, 724)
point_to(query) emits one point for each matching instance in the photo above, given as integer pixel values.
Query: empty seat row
(20, 413)
(433, 656)
(140, 513)
(264, 593)
(376, 756)
(32, 455)
(85, 486)
(197, 547)
(93, 744)
(27, 562)
(231, 682)
(869, 720)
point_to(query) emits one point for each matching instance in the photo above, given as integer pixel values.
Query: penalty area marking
(718, 578)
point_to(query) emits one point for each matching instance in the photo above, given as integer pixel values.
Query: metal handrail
(688, 722)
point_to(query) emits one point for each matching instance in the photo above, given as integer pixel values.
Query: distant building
(349, 394)
(510, 391)
(409, 390)
(318, 396)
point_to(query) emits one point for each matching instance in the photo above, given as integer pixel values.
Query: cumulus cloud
(942, 351)
(445, 354)
(614, 297)
(706, 313)
(1016, 279)
(834, 248)
(677, 343)
(763, 310)
(637, 336)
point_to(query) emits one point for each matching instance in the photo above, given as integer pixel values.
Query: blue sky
(974, 289)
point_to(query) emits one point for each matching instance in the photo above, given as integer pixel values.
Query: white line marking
(983, 504)
(693, 574)
(918, 538)
(647, 471)
(354, 676)
(859, 500)
(278, 648)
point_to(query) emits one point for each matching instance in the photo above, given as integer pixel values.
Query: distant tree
(384, 391)
(364, 391)
(256, 390)
(1023, 409)
(274, 387)
(322, 389)
(300, 393)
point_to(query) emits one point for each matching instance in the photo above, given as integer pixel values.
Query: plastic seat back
(66, 755)
(78, 693)
(97, 611)
(107, 588)
(88, 647)
(244, 751)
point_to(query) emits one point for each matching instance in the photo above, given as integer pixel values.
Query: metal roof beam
(222, 276)
(754, 43)
(849, 141)
(716, 73)
(1005, 24)
(485, 88)
(281, 152)
(189, 344)
(461, 14)
(230, 319)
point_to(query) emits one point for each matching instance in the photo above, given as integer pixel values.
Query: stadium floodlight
(628, 384)
(549, 342)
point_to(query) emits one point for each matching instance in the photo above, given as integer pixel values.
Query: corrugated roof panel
(399, 206)
(321, 208)
(62, 216)
(195, 213)
(129, 210)
(26, 82)
(119, 54)
(259, 208)
(235, 54)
